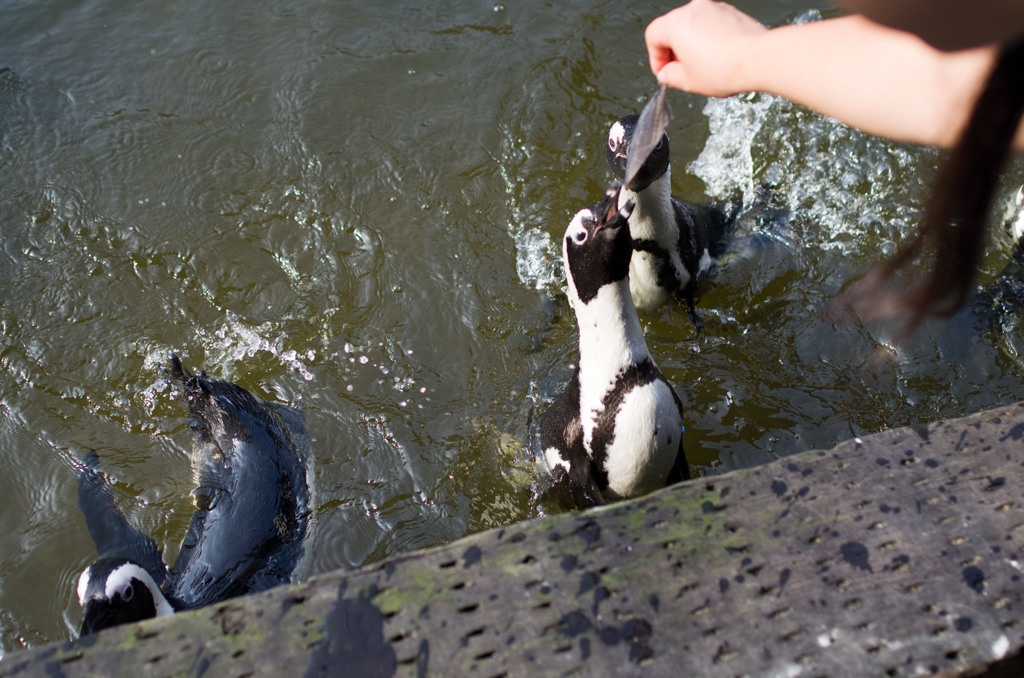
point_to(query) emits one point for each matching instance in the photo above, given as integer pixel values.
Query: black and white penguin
(115, 591)
(617, 430)
(675, 242)
(247, 534)
(126, 583)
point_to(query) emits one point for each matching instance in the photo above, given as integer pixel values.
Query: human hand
(701, 48)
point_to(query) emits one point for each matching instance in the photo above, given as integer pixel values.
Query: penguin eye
(578, 235)
(128, 593)
(612, 143)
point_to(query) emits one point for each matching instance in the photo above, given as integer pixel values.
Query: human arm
(881, 80)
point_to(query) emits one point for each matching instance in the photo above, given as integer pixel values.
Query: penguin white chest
(655, 269)
(645, 281)
(648, 427)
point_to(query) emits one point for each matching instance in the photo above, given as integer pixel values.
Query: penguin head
(619, 137)
(597, 246)
(114, 591)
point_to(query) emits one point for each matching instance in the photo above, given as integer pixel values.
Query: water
(352, 207)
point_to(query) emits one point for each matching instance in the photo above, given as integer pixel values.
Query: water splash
(537, 261)
(726, 165)
(235, 342)
(850, 188)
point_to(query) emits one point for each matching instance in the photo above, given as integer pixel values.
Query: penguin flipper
(573, 492)
(587, 492)
(575, 483)
(680, 469)
(110, 530)
(710, 226)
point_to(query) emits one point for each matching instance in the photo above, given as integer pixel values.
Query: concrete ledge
(896, 555)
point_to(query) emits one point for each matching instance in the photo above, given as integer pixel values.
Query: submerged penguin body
(251, 495)
(247, 533)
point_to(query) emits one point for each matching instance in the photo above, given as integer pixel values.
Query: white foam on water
(851, 186)
(236, 341)
(537, 261)
(726, 164)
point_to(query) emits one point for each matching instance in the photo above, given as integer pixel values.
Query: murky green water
(351, 207)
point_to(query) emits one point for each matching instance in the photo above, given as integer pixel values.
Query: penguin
(125, 584)
(115, 591)
(675, 242)
(247, 533)
(616, 431)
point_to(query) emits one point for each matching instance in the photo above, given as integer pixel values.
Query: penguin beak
(607, 218)
(611, 208)
(97, 615)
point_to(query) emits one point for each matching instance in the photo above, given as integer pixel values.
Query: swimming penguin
(246, 535)
(125, 584)
(675, 242)
(616, 431)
